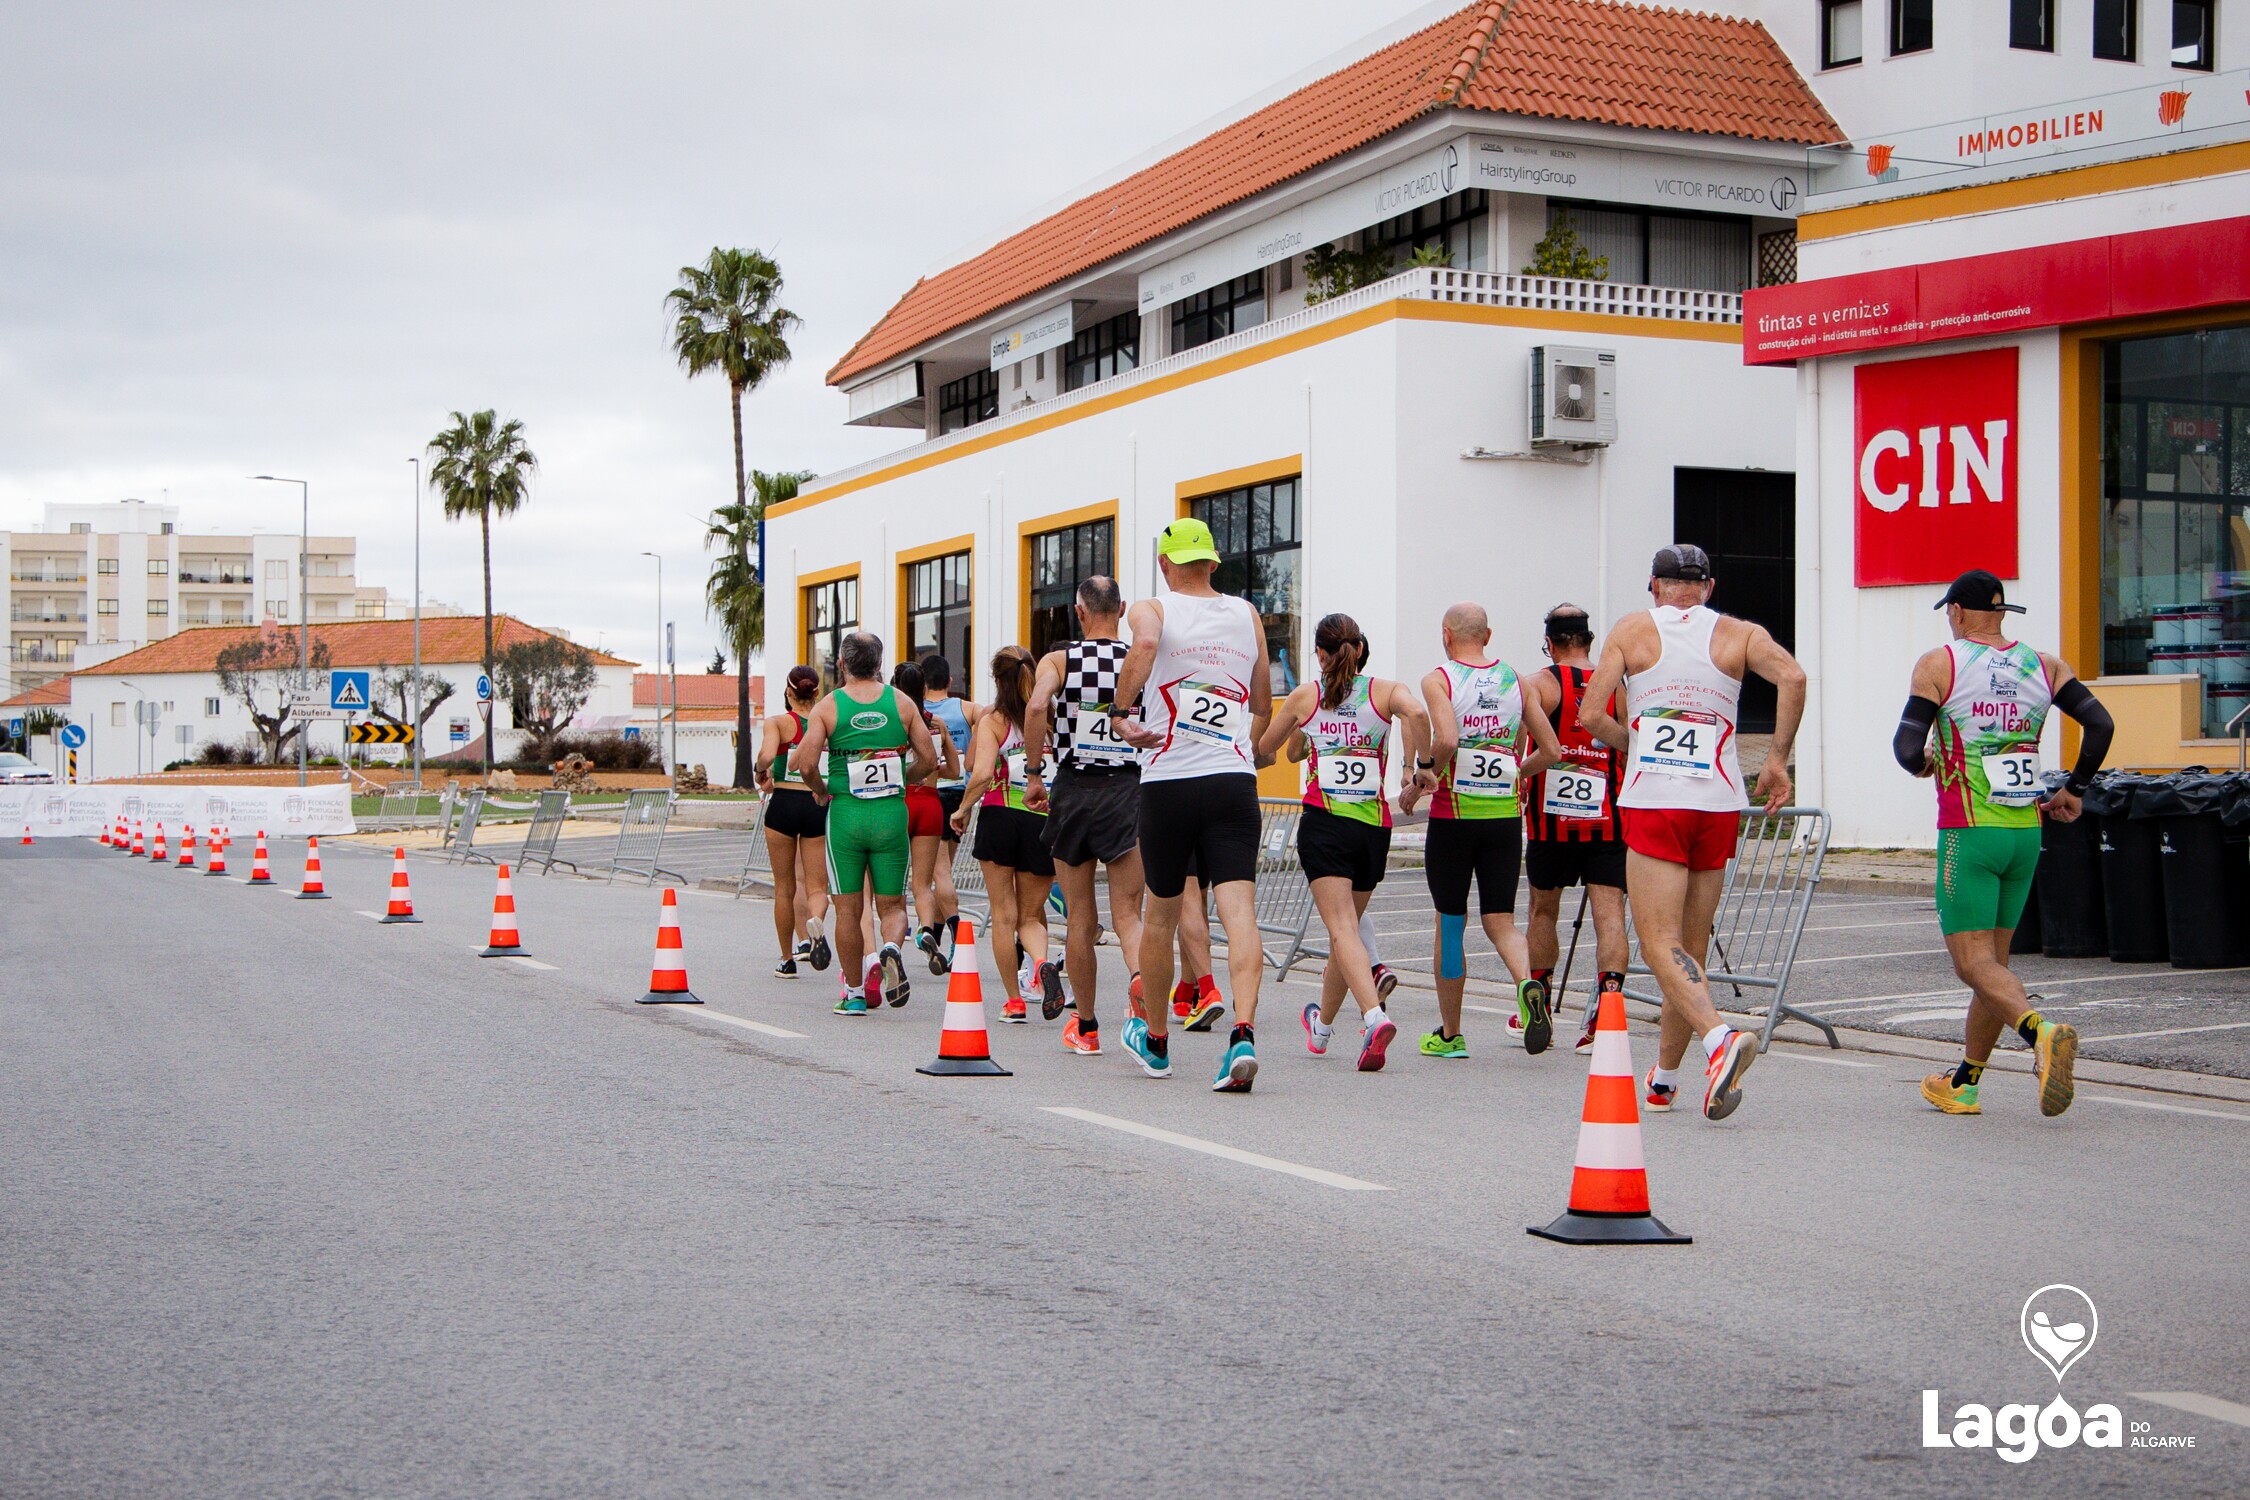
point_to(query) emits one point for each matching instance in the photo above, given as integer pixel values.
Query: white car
(22, 770)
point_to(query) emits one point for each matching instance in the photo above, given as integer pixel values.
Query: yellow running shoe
(2057, 1053)
(1954, 1099)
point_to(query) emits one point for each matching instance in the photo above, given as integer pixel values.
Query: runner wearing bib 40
(1343, 721)
(1681, 666)
(1987, 698)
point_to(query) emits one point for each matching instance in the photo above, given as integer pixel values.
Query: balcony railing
(40, 654)
(223, 576)
(47, 616)
(27, 575)
(1552, 294)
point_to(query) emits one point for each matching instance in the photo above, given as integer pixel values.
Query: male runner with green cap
(1987, 697)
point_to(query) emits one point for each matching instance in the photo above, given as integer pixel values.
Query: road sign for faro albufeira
(379, 734)
(312, 703)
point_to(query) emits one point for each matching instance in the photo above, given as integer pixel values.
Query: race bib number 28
(1574, 792)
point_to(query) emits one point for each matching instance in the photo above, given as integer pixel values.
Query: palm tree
(483, 469)
(737, 594)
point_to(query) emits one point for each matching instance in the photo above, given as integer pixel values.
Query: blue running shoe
(1154, 1064)
(1056, 904)
(1236, 1070)
(852, 1005)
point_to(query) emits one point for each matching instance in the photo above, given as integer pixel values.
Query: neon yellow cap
(1187, 540)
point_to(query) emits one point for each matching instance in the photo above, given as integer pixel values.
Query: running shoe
(1205, 1010)
(1435, 1045)
(1151, 1062)
(852, 1005)
(1722, 1089)
(1538, 1023)
(1015, 1013)
(1385, 981)
(1953, 1098)
(1056, 904)
(786, 969)
(1183, 1000)
(1586, 1037)
(1051, 997)
(1076, 1039)
(2057, 1055)
(1238, 1068)
(1656, 1097)
(1316, 1035)
(931, 940)
(872, 986)
(802, 953)
(1372, 1045)
(1133, 999)
(890, 967)
(818, 954)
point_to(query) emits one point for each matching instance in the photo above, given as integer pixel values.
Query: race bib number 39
(1093, 737)
(2012, 780)
(1677, 742)
(1351, 776)
(1483, 772)
(1212, 713)
(877, 773)
(1574, 792)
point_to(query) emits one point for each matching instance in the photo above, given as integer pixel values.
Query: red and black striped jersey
(1597, 769)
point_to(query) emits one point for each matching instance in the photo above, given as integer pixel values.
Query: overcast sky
(241, 239)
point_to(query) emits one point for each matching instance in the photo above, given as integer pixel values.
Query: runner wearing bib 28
(1987, 698)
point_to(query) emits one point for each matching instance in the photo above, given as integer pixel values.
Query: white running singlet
(1198, 695)
(1682, 713)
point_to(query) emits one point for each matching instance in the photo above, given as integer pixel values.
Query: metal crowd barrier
(547, 819)
(973, 900)
(757, 860)
(1761, 916)
(640, 836)
(1285, 903)
(464, 841)
(396, 809)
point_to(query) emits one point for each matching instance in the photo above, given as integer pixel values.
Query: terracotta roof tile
(46, 695)
(447, 640)
(1593, 61)
(697, 690)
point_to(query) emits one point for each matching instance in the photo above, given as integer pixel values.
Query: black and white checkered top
(1087, 742)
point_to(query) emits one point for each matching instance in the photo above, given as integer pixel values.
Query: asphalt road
(292, 1203)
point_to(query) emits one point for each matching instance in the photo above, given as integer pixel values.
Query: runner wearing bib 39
(1988, 697)
(876, 742)
(1479, 723)
(1018, 870)
(1201, 655)
(796, 829)
(1344, 833)
(1683, 796)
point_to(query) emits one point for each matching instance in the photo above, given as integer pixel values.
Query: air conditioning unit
(1573, 396)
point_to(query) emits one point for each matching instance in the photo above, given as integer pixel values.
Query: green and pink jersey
(1988, 736)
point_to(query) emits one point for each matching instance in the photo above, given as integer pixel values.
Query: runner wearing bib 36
(1479, 722)
(1202, 657)
(1343, 720)
(1683, 796)
(1988, 698)
(876, 743)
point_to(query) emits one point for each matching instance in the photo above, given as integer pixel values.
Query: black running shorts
(1488, 851)
(949, 801)
(1009, 837)
(1211, 820)
(797, 815)
(1557, 864)
(1344, 848)
(1093, 815)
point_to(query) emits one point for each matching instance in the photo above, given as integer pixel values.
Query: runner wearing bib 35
(876, 743)
(1343, 720)
(1479, 722)
(1202, 657)
(1683, 796)
(1988, 698)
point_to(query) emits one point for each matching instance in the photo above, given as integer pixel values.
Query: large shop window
(831, 613)
(1060, 561)
(937, 614)
(1709, 252)
(974, 398)
(1227, 308)
(1454, 224)
(1106, 349)
(1260, 535)
(2176, 512)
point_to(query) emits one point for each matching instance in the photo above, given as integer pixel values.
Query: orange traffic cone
(964, 1048)
(140, 845)
(187, 848)
(667, 977)
(157, 853)
(401, 908)
(217, 844)
(260, 874)
(26, 839)
(1609, 1188)
(313, 889)
(505, 941)
(104, 839)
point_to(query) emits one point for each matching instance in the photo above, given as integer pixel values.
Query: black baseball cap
(1978, 589)
(1682, 560)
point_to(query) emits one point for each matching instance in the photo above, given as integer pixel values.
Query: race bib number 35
(1482, 772)
(2012, 779)
(1093, 737)
(877, 773)
(1351, 776)
(1574, 792)
(1212, 713)
(1677, 742)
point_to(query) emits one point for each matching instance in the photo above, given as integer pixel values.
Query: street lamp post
(660, 663)
(304, 612)
(416, 680)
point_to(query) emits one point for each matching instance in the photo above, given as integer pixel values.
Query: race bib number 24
(1677, 742)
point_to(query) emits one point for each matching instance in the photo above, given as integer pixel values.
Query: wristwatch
(1424, 763)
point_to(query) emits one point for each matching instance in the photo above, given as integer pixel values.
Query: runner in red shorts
(925, 818)
(1681, 665)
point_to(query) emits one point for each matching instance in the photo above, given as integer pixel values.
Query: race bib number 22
(1212, 713)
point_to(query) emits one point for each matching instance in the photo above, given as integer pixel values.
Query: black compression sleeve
(2096, 730)
(1909, 744)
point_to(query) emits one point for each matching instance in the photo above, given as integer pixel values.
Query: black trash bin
(2027, 937)
(2132, 872)
(2206, 868)
(2069, 887)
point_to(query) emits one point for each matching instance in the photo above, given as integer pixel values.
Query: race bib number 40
(1677, 742)
(1574, 792)
(1484, 772)
(1212, 713)
(2012, 779)
(1093, 736)
(1351, 775)
(877, 773)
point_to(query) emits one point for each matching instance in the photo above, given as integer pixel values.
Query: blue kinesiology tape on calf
(1452, 964)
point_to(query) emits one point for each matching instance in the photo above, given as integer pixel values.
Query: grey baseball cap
(1682, 560)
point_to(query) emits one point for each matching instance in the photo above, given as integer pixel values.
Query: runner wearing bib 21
(1987, 698)
(1343, 721)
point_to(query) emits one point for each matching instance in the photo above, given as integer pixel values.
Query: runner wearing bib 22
(1683, 796)
(876, 742)
(1988, 698)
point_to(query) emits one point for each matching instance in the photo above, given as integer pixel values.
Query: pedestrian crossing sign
(347, 691)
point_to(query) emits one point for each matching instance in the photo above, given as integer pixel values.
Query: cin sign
(1934, 468)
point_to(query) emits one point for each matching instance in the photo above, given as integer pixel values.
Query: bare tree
(260, 672)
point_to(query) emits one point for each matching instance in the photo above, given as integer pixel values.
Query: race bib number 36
(1212, 713)
(877, 773)
(1093, 737)
(1677, 742)
(1351, 776)
(2012, 780)
(1481, 772)
(1574, 792)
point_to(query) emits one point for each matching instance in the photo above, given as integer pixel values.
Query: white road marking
(372, 916)
(706, 1013)
(2134, 1036)
(2170, 1109)
(529, 963)
(1923, 1015)
(1865, 926)
(1213, 1148)
(1860, 958)
(1833, 1062)
(2201, 1405)
(1857, 1002)
(1491, 1010)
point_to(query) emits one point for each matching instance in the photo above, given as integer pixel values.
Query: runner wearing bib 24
(1479, 723)
(1987, 698)
(1343, 721)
